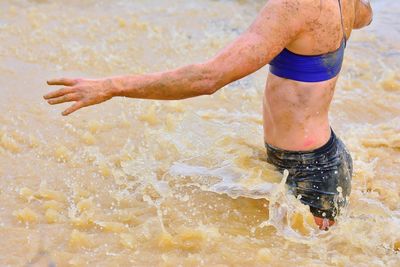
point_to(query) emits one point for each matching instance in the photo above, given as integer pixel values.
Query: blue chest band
(308, 68)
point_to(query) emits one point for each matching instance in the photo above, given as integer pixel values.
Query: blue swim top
(313, 68)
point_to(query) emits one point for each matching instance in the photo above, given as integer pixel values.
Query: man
(304, 42)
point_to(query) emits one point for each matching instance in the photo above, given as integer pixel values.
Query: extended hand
(83, 91)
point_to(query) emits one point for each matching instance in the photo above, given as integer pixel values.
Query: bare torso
(296, 113)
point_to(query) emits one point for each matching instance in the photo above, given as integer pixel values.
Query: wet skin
(295, 113)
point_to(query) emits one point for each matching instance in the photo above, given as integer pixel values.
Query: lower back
(296, 113)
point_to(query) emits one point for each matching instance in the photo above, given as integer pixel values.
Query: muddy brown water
(132, 182)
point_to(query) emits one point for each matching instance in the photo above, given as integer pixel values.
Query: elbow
(213, 85)
(361, 24)
(364, 15)
(210, 91)
(208, 88)
(211, 80)
(371, 18)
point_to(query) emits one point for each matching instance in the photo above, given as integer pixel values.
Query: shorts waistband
(316, 151)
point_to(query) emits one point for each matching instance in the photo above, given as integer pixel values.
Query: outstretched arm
(275, 27)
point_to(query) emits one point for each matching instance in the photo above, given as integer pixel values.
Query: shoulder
(300, 10)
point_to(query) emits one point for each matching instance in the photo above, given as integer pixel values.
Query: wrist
(112, 87)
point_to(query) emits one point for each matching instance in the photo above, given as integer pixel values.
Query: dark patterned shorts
(321, 178)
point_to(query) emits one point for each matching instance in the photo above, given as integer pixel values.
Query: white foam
(229, 183)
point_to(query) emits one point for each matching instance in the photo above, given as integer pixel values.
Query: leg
(322, 177)
(323, 223)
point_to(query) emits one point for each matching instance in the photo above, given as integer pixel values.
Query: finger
(63, 99)
(58, 93)
(62, 81)
(73, 108)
